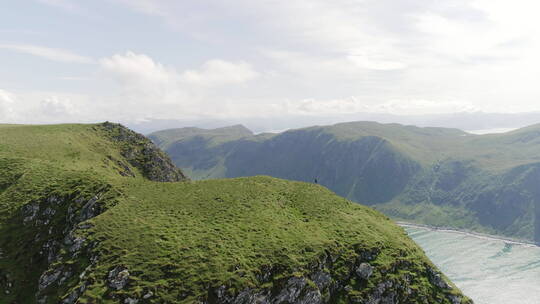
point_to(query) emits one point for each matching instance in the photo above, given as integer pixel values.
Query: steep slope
(97, 214)
(435, 176)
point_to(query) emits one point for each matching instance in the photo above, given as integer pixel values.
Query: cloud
(396, 107)
(144, 86)
(55, 106)
(49, 107)
(54, 54)
(152, 88)
(220, 72)
(137, 69)
(7, 101)
(6, 97)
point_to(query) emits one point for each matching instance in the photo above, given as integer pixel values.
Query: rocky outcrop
(364, 271)
(118, 277)
(142, 154)
(45, 239)
(58, 222)
(333, 279)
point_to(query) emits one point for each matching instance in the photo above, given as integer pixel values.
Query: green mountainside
(98, 214)
(436, 176)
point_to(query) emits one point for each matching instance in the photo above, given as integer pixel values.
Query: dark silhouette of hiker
(316, 181)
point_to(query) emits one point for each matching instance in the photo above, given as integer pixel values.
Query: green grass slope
(435, 176)
(96, 214)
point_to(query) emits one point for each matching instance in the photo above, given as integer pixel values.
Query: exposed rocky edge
(53, 252)
(336, 280)
(331, 279)
(141, 153)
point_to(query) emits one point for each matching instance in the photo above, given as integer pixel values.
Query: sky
(139, 60)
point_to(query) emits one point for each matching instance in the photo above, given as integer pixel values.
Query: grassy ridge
(77, 147)
(227, 230)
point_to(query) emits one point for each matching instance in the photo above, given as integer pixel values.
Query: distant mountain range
(470, 121)
(436, 176)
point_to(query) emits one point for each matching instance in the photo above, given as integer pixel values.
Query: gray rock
(118, 277)
(454, 299)
(74, 295)
(436, 279)
(322, 279)
(49, 212)
(131, 301)
(390, 298)
(144, 155)
(311, 297)
(148, 295)
(291, 292)
(77, 244)
(47, 278)
(90, 209)
(30, 212)
(364, 271)
(246, 296)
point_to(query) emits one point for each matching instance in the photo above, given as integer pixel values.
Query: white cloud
(220, 72)
(137, 69)
(396, 107)
(48, 53)
(48, 107)
(145, 86)
(55, 106)
(6, 97)
(424, 107)
(152, 89)
(7, 101)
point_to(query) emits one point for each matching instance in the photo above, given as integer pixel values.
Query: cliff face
(440, 177)
(90, 224)
(143, 154)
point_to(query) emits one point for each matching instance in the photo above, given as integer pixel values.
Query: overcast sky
(130, 60)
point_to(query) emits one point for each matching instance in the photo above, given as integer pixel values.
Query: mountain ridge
(434, 176)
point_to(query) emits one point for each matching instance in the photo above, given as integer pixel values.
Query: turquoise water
(488, 271)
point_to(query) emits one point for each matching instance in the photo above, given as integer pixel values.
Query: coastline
(479, 235)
